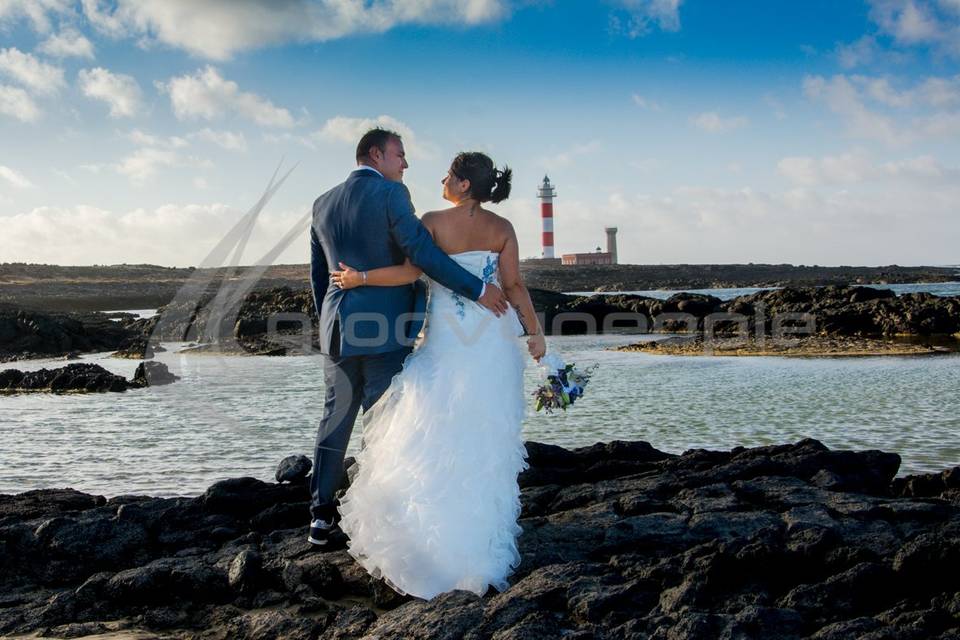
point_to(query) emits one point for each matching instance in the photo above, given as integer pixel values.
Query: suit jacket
(368, 222)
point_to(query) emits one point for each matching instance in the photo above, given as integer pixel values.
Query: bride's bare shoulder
(500, 223)
(501, 229)
(434, 215)
(432, 218)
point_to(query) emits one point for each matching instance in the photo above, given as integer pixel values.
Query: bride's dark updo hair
(487, 183)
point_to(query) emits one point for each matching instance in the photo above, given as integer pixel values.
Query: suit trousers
(351, 382)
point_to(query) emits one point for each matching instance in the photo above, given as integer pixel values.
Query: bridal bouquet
(565, 383)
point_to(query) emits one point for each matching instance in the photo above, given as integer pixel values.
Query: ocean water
(234, 416)
(936, 288)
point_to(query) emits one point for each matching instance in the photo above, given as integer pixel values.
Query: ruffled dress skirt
(434, 503)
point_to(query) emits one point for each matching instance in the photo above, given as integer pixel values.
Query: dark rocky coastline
(837, 310)
(620, 541)
(32, 334)
(649, 277)
(281, 321)
(102, 288)
(803, 347)
(84, 377)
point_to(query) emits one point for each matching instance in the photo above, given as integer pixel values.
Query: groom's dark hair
(375, 138)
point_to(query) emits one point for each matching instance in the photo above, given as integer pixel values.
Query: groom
(368, 222)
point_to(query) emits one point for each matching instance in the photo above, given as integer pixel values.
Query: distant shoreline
(54, 288)
(806, 347)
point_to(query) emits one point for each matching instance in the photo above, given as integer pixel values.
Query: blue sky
(808, 132)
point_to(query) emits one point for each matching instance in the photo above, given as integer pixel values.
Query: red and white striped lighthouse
(546, 193)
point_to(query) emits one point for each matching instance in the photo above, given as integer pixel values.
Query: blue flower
(490, 269)
(461, 305)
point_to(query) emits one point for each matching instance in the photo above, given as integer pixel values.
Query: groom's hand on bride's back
(494, 300)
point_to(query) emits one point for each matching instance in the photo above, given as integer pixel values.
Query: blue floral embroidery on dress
(461, 307)
(489, 269)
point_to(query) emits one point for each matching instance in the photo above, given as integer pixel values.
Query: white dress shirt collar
(369, 168)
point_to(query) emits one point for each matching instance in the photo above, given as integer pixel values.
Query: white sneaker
(319, 532)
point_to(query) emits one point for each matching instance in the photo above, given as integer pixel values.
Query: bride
(435, 502)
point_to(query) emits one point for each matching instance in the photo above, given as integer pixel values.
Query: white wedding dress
(434, 504)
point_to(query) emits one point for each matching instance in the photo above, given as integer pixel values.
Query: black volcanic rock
(57, 288)
(282, 320)
(31, 334)
(862, 311)
(84, 377)
(152, 374)
(249, 318)
(619, 541)
(139, 348)
(835, 311)
(79, 376)
(648, 277)
(293, 469)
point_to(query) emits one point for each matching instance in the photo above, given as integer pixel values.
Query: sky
(773, 131)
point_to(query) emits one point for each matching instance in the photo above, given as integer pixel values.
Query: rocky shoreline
(27, 335)
(101, 288)
(679, 277)
(806, 347)
(620, 541)
(282, 321)
(83, 377)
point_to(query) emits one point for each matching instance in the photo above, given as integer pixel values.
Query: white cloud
(712, 122)
(920, 167)
(149, 140)
(933, 92)
(567, 158)
(217, 29)
(919, 22)
(904, 29)
(881, 90)
(105, 20)
(143, 164)
(206, 95)
(844, 99)
(644, 15)
(91, 235)
(120, 92)
(941, 92)
(850, 167)
(645, 103)
(858, 166)
(15, 178)
(350, 130)
(288, 138)
(799, 225)
(858, 53)
(17, 103)
(847, 96)
(38, 12)
(800, 169)
(226, 139)
(66, 44)
(907, 21)
(37, 76)
(938, 125)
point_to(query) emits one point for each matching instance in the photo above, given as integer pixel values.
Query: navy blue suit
(366, 222)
